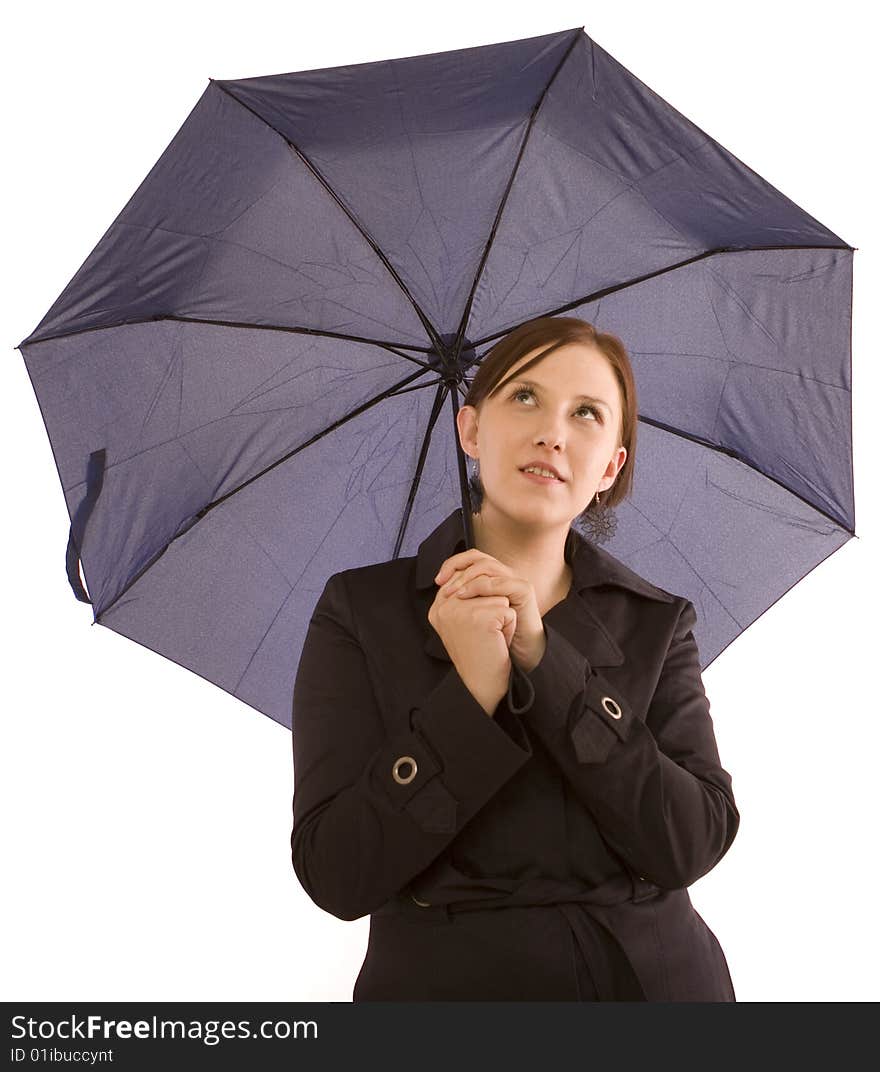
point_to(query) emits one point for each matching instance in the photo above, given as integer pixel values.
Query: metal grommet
(397, 763)
(421, 904)
(614, 710)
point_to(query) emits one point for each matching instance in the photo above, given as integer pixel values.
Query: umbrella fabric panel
(615, 184)
(231, 596)
(190, 412)
(418, 149)
(750, 354)
(705, 525)
(231, 225)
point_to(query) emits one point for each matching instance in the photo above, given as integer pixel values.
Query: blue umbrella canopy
(251, 382)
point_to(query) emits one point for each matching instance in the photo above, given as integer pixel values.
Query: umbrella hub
(450, 368)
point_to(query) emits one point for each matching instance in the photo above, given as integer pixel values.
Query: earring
(475, 488)
(598, 523)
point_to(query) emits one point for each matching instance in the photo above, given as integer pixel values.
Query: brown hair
(551, 332)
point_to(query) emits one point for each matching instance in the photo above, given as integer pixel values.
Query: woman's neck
(539, 556)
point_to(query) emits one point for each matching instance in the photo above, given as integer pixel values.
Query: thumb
(509, 627)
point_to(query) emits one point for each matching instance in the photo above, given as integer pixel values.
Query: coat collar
(591, 567)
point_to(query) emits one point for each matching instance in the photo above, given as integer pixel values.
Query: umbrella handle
(94, 483)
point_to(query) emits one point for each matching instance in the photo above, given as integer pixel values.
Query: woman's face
(548, 422)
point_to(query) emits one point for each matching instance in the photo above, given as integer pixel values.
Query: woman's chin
(529, 510)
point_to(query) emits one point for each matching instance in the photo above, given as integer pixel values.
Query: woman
(505, 754)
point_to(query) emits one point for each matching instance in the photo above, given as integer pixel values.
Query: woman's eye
(583, 409)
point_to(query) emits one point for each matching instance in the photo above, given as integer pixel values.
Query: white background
(147, 813)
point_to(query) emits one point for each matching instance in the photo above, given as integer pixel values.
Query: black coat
(540, 855)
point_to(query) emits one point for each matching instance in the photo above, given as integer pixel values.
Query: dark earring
(475, 487)
(597, 524)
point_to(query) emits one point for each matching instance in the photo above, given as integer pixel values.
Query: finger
(489, 608)
(451, 583)
(477, 580)
(460, 561)
(486, 566)
(477, 585)
(453, 563)
(460, 577)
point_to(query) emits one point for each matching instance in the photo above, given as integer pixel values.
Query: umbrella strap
(517, 674)
(94, 482)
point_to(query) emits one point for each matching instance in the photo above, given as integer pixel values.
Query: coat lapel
(573, 617)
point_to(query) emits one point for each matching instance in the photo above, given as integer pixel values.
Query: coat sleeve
(656, 789)
(371, 810)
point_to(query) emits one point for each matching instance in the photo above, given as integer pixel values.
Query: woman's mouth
(538, 479)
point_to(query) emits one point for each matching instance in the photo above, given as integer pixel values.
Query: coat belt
(615, 976)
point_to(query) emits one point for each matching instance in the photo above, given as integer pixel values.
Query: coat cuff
(453, 761)
(477, 755)
(572, 700)
(556, 681)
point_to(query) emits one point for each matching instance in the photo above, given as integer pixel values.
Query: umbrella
(251, 382)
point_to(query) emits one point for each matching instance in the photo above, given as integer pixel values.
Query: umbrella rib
(438, 404)
(430, 330)
(395, 348)
(743, 460)
(781, 595)
(216, 502)
(356, 412)
(465, 316)
(597, 294)
(423, 454)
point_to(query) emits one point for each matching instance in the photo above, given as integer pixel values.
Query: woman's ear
(615, 465)
(466, 422)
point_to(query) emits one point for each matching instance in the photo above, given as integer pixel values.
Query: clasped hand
(472, 573)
